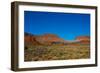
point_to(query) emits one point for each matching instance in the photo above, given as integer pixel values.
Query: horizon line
(56, 35)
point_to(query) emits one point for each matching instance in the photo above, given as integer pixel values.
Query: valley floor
(56, 52)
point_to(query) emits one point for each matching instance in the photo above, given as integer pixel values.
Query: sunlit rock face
(83, 39)
(42, 39)
(49, 39)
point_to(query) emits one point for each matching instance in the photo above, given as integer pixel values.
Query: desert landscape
(51, 47)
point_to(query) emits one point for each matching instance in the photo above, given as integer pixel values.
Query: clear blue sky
(65, 25)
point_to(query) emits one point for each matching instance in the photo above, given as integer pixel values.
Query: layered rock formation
(48, 39)
(83, 39)
(42, 39)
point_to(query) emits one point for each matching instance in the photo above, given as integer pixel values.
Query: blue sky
(66, 25)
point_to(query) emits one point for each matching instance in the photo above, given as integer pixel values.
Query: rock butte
(52, 38)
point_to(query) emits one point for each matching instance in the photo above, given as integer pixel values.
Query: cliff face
(83, 39)
(31, 39)
(48, 39)
(42, 39)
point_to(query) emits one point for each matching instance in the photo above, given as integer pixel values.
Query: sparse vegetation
(56, 52)
(52, 47)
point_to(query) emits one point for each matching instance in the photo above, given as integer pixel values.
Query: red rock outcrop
(83, 39)
(48, 39)
(43, 39)
(28, 38)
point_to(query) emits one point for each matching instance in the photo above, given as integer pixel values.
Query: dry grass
(56, 52)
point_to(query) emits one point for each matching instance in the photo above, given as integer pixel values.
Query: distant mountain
(49, 39)
(83, 39)
(30, 39)
(43, 39)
